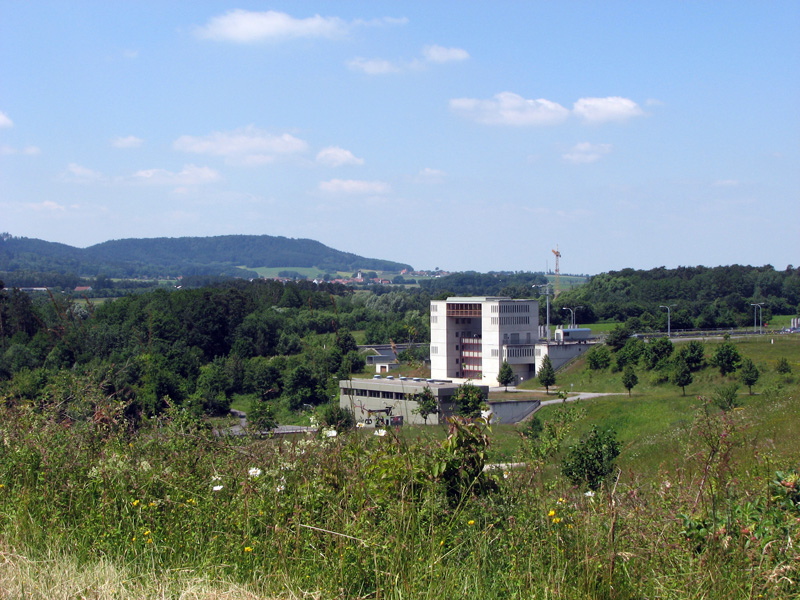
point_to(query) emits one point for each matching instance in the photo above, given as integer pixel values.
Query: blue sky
(459, 135)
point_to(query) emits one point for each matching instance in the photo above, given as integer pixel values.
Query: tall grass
(365, 516)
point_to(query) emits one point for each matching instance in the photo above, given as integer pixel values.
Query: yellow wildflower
(471, 522)
(135, 503)
(552, 513)
(248, 549)
(557, 520)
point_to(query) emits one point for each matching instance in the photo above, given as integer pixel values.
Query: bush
(725, 396)
(591, 461)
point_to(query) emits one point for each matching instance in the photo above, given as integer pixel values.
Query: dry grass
(60, 577)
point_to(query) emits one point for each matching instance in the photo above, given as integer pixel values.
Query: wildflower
(248, 549)
(146, 532)
(254, 472)
(557, 520)
(135, 503)
(2, 486)
(471, 522)
(216, 478)
(506, 474)
(331, 433)
(217, 488)
(280, 488)
(589, 494)
(380, 432)
(359, 425)
(561, 501)
(441, 543)
(552, 513)
(149, 540)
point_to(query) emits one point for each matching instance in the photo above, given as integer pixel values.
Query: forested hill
(220, 255)
(702, 296)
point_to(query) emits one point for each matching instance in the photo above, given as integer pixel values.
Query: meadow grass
(706, 505)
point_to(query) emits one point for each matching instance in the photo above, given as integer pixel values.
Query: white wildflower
(359, 425)
(589, 494)
(331, 433)
(380, 432)
(254, 472)
(217, 488)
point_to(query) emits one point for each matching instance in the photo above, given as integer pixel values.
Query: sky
(460, 135)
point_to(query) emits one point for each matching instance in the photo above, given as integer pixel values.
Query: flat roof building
(472, 336)
(389, 401)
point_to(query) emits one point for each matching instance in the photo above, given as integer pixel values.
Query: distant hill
(150, 257)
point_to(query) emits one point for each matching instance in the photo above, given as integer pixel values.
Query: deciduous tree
(506, 375)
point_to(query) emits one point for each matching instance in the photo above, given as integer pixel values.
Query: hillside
(219, 255)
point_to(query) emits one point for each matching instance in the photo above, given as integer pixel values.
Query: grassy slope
(653, 422)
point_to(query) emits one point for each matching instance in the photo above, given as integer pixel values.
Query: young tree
(725, 397)
(694, 355)
(506, 375)
(681, 376)
(749, 373)
(598, 358)
(261, 416)
(656, 351)
(629, 378)
(468, 400)
(547, 375)
(726, 358)
(426, 404)
(783, 367)
(591, 461)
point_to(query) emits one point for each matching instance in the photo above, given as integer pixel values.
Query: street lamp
(573, 324)
(669, 329)
(571, 315)
(546, 287)
(760, 319)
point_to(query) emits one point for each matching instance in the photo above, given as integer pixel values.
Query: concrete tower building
(471, 337)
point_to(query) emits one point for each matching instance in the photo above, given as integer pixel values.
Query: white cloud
(76, 172)
(243, 26)
(429, 175)
(613, 108)
(130, 141)
(47, 205)
(352, 186)
(586, 152)
(27, 150)
(508, 108)
(333, 156)
(5, 121)
(190, 175)
(440, 54)
(373, 66)
(247, 146)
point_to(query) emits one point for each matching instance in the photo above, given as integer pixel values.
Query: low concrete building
(390, 401)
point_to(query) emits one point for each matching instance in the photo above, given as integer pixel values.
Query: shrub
(591, 461)
(725, 396)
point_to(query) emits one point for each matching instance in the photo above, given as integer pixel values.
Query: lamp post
(760, 319)
(571, 315)
(546, 287)
(669, 317)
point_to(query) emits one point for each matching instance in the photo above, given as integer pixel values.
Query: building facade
(471, 337)
(389, 401)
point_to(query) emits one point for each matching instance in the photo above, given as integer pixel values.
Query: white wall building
(471, 337)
